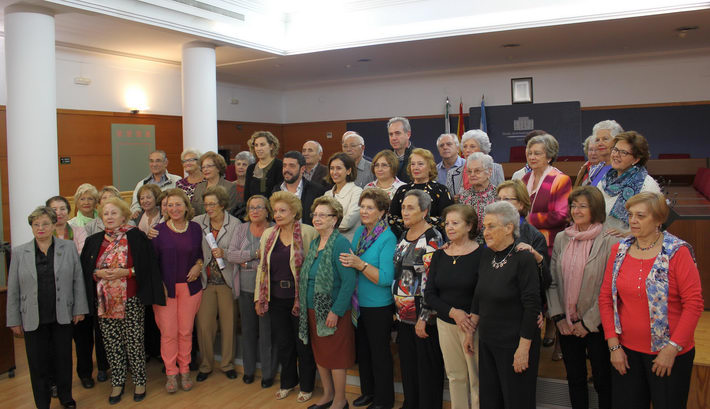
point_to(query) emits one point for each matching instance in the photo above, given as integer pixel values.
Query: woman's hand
(332, 320)
(17, 330)
(351, 260)
(217, 252)
(78, 318)
(663, 363)
(579, 330)
(520, 358)
(111, 273)
(468, 345)
(194, 272)
(295, 310)
(619, 361)
(540, 320)
(152, 233)
(420, 329)
(258, 309)
(527, 247)
(462, 320)
(563, 327)
(617, 233)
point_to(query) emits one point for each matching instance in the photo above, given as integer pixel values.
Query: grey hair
(349, 134)
(403, 120)
(320, 148)
(452, 135)
(190, 151)
(585, 144)
(485, 160)
(610, 124)
(423, 198)
(507, 214)
(160, 151)
(552, 147)
(245, 156)
(481, 137)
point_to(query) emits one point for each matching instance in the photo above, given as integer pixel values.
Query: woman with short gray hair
(472, 141)
(193, 174)
(481, 191)
(505, 307)
(241, 162)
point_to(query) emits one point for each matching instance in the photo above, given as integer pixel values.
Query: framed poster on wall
(130, 146)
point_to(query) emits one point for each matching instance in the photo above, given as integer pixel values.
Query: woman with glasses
(627, 177)
(191, 167)
(384, 168)
(481, 192)
(213, 166)
(475, 140)
(256, 330)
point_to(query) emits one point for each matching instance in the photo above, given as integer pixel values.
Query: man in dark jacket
(399, 132)
(294, 182)
(314, 171)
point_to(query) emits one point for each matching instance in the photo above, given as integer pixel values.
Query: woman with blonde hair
(85, 200)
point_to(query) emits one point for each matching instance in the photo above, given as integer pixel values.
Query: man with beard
(294, 182)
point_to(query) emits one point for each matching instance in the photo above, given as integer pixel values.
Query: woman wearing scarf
(122, 275)
(650, 303)
(578, 260)
(85, 200)
(283, 248)
(591, 166)
(325, 318)
(374, 245)
(627, 177)
(265, 174)
(481, 192)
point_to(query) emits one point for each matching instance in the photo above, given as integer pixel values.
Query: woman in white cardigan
(342, 175)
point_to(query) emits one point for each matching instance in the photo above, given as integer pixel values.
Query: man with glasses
(448, 146)
(293, 165)
(354, 146)
(158, 163)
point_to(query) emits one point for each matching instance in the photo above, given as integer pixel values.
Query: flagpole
(447, 124)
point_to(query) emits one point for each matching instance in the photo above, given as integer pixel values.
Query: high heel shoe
(114, 399)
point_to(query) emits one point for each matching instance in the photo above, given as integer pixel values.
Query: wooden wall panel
(233, 135)
(295, 135)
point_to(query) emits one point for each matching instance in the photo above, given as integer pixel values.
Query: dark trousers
(575, 351)
(256, 336)
(374, 356)
(49, 350)
(640, 387)
(87, 335)
(152, 333)
(298, 366)
(500, 387)
(422, 368)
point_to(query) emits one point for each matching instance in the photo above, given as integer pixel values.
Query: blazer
(224, 238)
(319, 176)
(308, 234)
(587, 304)
(309, 194)
(274, 177)
(201, 187)
(22, 306)
(402, 169)
(348, 197)
(149, 282)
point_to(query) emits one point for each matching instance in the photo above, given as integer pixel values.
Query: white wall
(658, 79)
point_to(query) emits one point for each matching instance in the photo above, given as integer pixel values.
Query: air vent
(213, 9)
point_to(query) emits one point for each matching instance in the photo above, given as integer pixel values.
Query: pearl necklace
(175, 229)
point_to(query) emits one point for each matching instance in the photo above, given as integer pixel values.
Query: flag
(447, 124)
(460, 129)
(484, 126)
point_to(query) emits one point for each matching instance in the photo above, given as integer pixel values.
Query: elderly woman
(327, 286)
(265, 174)
(481, 192)
(62, 229)
(97, 225)
(548, 188)
(178, 247)
(122, 276)
(149, 215)
(244, 252)
(213, 166)
(282, 250)
(384, 168)
(45, 295)
(475, 140)
(627, 178)
(418, 340)
(342, 175)
(504, 311)
(422, 170)
(650, 303)
(85, 200)
(241, 163)
(191, 168)
(592, 166)
(217, 276)
(604, 133)
(453, 274)
(374, 245)
(578, 260)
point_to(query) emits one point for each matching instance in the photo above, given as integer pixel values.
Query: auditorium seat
(517, 154)
(674, 156)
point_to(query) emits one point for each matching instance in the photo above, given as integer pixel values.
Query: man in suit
(314, 171)
(293, 165)
(400, 132)
(354, 146)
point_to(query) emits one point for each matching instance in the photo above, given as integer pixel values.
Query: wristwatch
(676, 346)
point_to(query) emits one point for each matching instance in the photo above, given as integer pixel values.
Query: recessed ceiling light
(364, 60)
(510, 45)
(683, 31)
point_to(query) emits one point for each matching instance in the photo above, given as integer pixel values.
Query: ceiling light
(364, 60)
(683, 31)
(510, 45)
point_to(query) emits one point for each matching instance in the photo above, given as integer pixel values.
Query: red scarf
(112, 294)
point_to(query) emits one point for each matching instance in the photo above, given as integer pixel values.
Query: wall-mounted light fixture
(135, 98)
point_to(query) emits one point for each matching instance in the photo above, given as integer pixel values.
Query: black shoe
(201, 376)
(101, 376)
(374, 406)
(267, 383)
(87, 383)
(137, 397)
(231, 374)
(115, 399)
(324, 406)
(548, 342)
(363, 400)
(69, 405)
(248, 379)
(53, 390)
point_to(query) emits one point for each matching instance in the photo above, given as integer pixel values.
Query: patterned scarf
(322, 297)
(111, 294)
(263, 277)
(68, 232)
(623, 187)
(366, 240)
(597, 173)
(574, 259)
(656, 287)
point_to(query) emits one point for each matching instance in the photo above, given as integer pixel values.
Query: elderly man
(354, 146)
(158, 163)
(448, 146)
(399, 132)
(314, 171)
(293, 165)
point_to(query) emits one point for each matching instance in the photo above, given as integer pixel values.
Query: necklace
(649, 247)
(499, 264)
(175, 229)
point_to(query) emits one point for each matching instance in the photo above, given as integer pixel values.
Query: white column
(199, 97)
(32, 157)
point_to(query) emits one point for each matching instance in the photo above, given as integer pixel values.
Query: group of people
(325, 261)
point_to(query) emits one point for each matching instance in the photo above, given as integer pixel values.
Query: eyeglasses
(351, 145)
(620, 152)
(208, 167)
(189, 160)
(579, 206)
(256, 208)
(41, 225)
(477, 171)
(321, 215)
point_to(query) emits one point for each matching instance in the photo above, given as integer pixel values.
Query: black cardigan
(148, 278)
(252, 185)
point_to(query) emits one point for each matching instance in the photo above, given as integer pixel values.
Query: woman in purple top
(179, 250)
